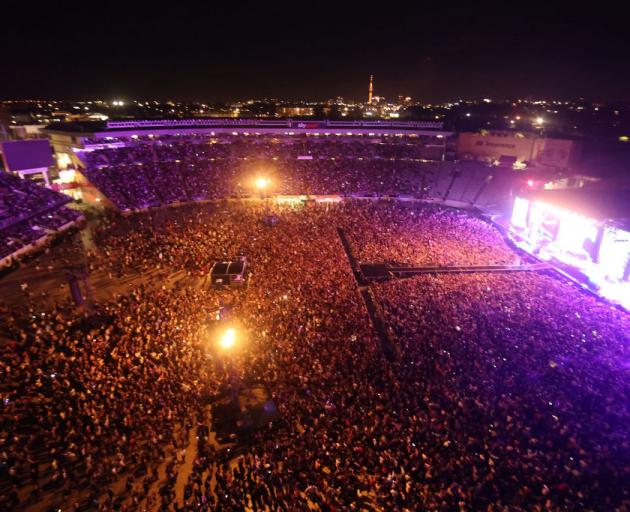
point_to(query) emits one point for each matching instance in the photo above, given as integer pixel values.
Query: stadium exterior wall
(557, 154)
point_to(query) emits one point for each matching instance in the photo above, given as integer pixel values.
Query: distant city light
(539, 120)
(624, 138)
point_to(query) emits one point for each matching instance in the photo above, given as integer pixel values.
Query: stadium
(391, 343)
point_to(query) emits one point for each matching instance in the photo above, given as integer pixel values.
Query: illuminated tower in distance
(371, 89)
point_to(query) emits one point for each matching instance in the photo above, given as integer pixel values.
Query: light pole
(262, 183)
(228, 338)
(227, 341)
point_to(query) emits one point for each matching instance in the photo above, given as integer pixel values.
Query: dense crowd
(510, 391)
(156, 171)
(401, 233)
(28, 212)
(522, 381)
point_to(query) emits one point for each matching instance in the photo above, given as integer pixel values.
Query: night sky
(221, 51)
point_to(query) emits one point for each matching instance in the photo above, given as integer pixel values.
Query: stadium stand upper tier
(29, 213)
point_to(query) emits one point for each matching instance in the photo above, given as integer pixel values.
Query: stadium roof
(124, 127)
(594, 204)
(78, 127)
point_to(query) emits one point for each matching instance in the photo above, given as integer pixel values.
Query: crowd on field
(510, 391)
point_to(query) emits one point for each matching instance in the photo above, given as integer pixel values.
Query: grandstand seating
(28, 213)
(152, 171)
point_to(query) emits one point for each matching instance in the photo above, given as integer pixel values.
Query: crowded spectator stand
(29, 215)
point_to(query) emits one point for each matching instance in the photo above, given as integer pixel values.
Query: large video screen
(20, 155)
(615, 253)
(520, 212)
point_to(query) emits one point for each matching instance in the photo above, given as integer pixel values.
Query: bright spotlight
(539, 120)
(228, 338)
(262, 183)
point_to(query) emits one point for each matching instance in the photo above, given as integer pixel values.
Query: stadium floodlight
(228, 339)
(262, 183)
